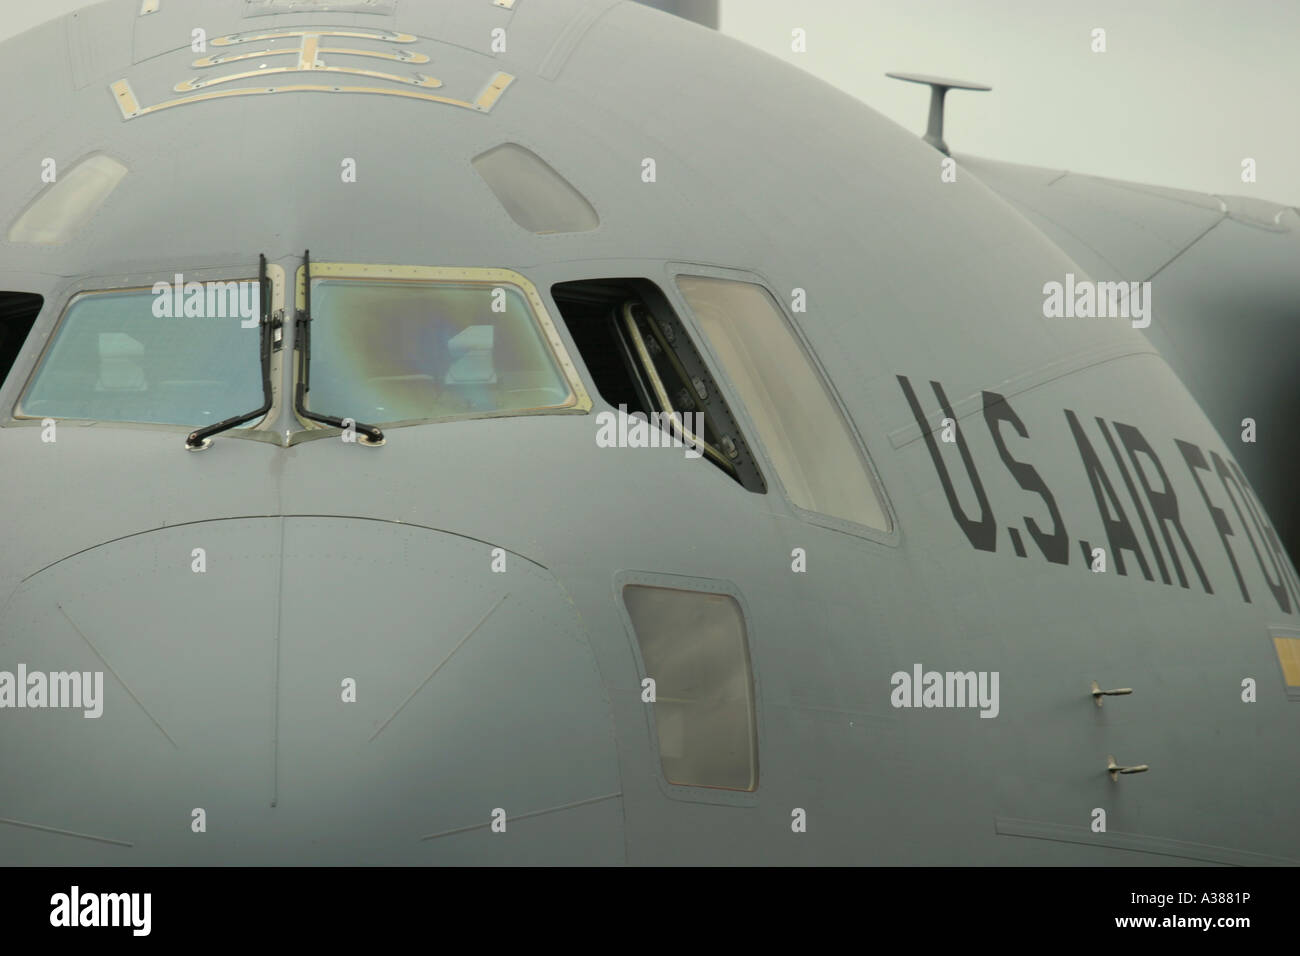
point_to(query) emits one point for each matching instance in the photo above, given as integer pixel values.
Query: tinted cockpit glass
(124, 357)
(392, 351)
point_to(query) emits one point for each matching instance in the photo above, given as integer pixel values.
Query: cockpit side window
(643, 362)
(800, 424)
(18, 311)
(177, 356)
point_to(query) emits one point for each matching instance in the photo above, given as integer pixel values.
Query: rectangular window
(694, 647)
(810, 443)
(168, 356)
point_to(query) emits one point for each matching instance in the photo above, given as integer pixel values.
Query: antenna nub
(939, 87)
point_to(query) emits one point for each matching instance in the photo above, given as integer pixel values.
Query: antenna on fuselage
(939, 88)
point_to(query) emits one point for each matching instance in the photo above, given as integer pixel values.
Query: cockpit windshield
(399, 350)
(187, 356)
(380, 344)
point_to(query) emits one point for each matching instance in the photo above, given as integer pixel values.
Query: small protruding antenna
(939, 88)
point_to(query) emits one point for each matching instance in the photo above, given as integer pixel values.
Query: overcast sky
(1184, 92)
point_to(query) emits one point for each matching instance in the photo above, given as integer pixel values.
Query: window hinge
(277, 330)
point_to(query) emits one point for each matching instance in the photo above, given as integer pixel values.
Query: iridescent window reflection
(394, 351)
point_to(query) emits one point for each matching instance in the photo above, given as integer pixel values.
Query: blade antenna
(939, 87)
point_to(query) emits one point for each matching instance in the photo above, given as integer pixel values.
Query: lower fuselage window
(799, 422)
(694, 648)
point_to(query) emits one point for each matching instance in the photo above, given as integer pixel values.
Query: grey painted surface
(703, 12)
(370, 562)
(1225, 274)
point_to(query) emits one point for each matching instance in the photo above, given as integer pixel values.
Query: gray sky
(1185, 91)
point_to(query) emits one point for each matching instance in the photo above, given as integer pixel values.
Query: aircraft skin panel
(1033, 787)
(703, 12)
(252, 734)
(1223, 271)
(1243, 362)
(924, 303)
(1132, 228)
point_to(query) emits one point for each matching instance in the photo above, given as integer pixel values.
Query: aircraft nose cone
(323, 690)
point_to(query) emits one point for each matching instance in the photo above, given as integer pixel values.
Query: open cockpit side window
(18, 311)
(643, 362)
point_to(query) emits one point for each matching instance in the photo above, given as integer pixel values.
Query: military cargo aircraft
(504, 431)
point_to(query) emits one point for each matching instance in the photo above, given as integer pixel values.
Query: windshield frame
(261, 430)
(579, 400)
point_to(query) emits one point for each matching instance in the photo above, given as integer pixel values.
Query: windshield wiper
(302, 342)
(202, 438)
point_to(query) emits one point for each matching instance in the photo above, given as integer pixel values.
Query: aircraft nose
(308, 690)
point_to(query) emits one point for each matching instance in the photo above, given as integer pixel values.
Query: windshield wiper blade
(302, 341)
(202, 438)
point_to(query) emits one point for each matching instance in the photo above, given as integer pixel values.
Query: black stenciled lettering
(1195, 460)
(982, 533)
(1055, 546)
(1137, 501)
(1119, 533)
(1288, 570)
(1266, 532)
(1164, 504)
(1225, 477)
